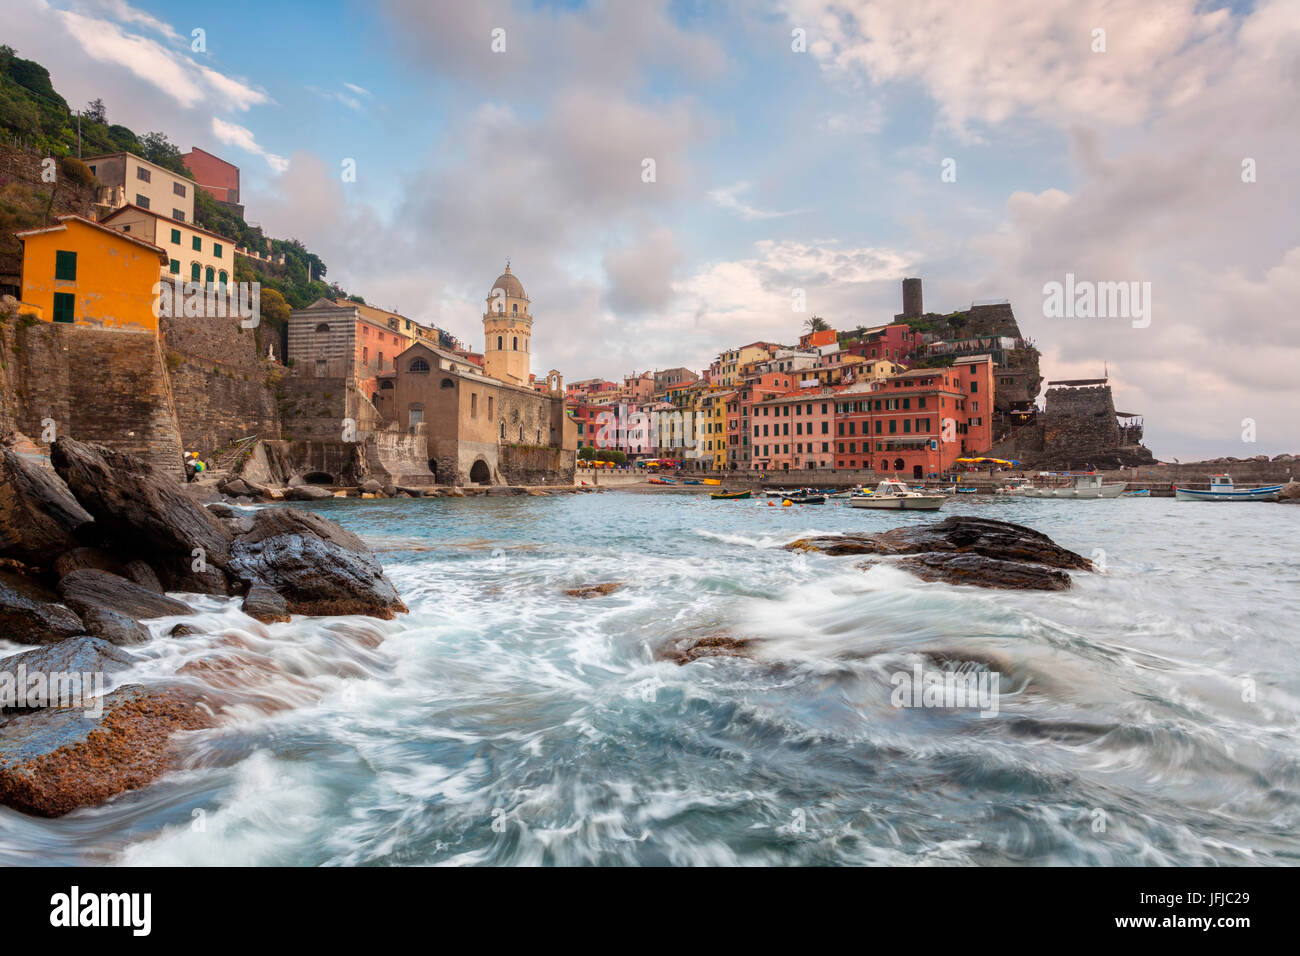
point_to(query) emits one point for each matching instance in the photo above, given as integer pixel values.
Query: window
(178, 215)
(381, 361)
(209, 275)
(65, 265)
(196, 243)
(178, 189)
(365, 354)
(499, 347)
(65, 307)
(974, 385)
(323, 327)
(415, 414)
(143, 174)
(174, 267)
(418, 365)
(450, 383)
(473, 404)
(489, 408)
(176, 237)
(515, 344)
(515, 308)
(142, 201)
(195, 272)
(216, 250)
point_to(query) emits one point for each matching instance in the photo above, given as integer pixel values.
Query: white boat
(1078, 486)
(897, 496)
(1222, 489)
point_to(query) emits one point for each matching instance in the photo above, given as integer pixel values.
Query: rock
(142, 510)
(182, 630)
(454, 493)
(88, 588)
(985, 572)
(1001, 540)
(594, 590)
(143, 575)
(371, 485)
(308, 493)
(179, 574)
(38, 515)
(57, 759)
(316, 566)
(113, 626)
(76, 655)
(1290, 492)
(688, 649)
(390, 489)
(235, 487)
(221, 509)
(265, 605)
(88, 558)
(30, 613)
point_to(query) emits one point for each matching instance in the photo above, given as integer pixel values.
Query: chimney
(912, 298)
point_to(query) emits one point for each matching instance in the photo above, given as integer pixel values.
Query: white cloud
(728, 197)
(236, 135)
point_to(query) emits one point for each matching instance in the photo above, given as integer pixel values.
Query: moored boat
(1067, 485)
(797, 499)
(1222, 489)
(897, 496)
(729, 495)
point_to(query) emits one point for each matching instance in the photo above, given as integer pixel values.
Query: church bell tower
(507, 329)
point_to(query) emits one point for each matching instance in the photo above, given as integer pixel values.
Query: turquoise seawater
(1148, 716)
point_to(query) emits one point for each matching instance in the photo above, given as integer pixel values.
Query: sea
(1148, 716)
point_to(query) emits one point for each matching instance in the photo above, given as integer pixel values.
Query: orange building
(82, 273)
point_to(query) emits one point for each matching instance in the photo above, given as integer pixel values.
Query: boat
(690, 481)
(966, 490)
(1087, 485)
(661, 481)
(713, 481)
(798, 499)
(897, 496)
(729, 495)
(1140, 493)
(1222, 489)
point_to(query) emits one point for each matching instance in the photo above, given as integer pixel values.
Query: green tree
(816, 324)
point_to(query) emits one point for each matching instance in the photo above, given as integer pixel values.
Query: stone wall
(107, 386)
(535, 465)
(1079, 423)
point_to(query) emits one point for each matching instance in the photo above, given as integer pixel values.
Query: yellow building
(84, 273)
(730, 365)
(130, 179)
(193, 254)
(507, 327)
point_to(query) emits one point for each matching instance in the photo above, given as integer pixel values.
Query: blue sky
(777, 170)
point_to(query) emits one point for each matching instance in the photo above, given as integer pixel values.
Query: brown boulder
(89, 588)
(265, 605)
(38, 515)
(30, 613)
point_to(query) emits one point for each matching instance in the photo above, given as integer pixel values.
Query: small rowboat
(1222, 489)
(690, 481)
(806, 499)
(661, 481)
(1140, 493)
(729, 495)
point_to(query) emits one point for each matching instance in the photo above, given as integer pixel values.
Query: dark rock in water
(316, 566)
(143, 575)
(308, 493)
(985, 572)
(87, 588)
(965, 550)
(38, 515)
(181, 630)
(221, 509)
(31, 613)
(142, 510)
(57, 759)
(372, 486)
(76, 655)
(265, 605)
(96, 558)
(688, 649)
(235, 487)
(113, 626)
(594, 590)
(180, 574)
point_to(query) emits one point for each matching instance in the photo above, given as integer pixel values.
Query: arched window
(515, 308)
(448, 383)
(209, 275)
(222, 278)
(515, 344)
(503, 431)
(499, 345)
(418, 365)
(521, 434)
(898, 464)
(323, 327)
(386, 383)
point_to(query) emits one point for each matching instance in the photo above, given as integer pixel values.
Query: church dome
(509, 284)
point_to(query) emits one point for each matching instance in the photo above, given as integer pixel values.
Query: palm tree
(816, 324)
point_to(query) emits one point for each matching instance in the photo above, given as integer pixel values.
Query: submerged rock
(54, 760)
(687, 649)
(265, 605)
(30, 613)
(315, 565)
(76, 655)
(114, 626)
(594, 590)
(88, 588)
(308, 493)
(965, 550)
(38, 515)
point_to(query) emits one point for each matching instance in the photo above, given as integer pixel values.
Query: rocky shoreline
(87, 554)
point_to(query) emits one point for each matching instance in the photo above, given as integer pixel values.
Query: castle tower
(507, 328)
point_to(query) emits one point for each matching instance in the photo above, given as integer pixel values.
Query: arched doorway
(318, 478)
(917, 472)
(480, 474)
(433, 469)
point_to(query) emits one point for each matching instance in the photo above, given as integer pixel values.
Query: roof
(157, 215)
(62, 227)
(509, 284)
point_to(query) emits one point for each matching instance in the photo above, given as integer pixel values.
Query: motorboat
(1222, 489)
(1087, 485)
(897, 496)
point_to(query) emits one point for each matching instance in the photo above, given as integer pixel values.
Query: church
(488, 424)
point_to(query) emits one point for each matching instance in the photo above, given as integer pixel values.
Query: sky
(669, 179)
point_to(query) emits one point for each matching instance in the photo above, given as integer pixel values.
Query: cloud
(236, 135)
(640, 274)
(727, 197)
